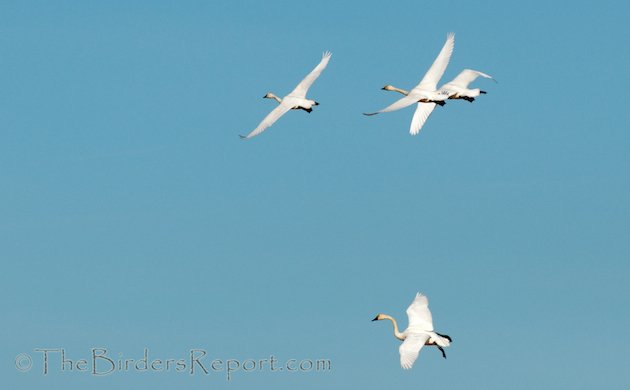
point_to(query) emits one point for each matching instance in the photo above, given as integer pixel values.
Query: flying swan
(426, 92)
(295, 100)
(418, 333)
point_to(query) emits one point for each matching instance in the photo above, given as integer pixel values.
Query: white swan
(295, 100)
(426, 92)
(458, 87)
(418, 333)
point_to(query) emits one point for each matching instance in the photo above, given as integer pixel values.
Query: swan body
(419, 332)
(295, 100)
(422, 113)
(426, 91)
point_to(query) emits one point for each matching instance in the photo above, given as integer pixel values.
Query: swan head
(270, 95)
(389, 87)
(379, 317)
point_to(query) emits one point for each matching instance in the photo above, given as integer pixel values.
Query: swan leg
(484, 92)
(305, 109)
(440, 102)
(442, 350)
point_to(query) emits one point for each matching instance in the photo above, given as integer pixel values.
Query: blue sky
(133, 216)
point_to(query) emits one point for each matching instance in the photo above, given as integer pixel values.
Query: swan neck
(274, 97)
(394, 89)
(401, 91)
(397, 333)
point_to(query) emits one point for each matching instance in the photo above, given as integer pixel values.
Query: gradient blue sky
(132, 216)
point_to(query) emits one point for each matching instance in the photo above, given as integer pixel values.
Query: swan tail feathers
(442, 340)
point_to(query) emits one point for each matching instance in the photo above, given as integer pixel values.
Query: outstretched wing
(269, 120)
(419, 117)
(466, 77)
(435, 72)
(410, 349)
(397, 105)
(304, 85)
(419, 314)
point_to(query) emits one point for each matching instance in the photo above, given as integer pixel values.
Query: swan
(425, 91)
(295, 100)
(458, 87)
(418, 333)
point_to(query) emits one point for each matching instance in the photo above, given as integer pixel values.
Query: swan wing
(269, 120)
(397, 105)
(466, 77)
(419, 313)
(419, 117)
(435, 72)
(410, 349)
(304, 85)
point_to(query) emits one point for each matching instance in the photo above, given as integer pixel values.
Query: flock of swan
(426, 94)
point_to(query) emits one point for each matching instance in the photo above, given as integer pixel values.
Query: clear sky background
(133, 216)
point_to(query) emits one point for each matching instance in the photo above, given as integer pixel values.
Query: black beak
(375, 318)
(383, 88)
